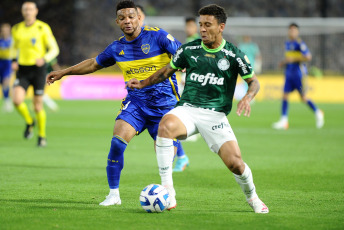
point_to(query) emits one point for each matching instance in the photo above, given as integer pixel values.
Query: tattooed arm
(244, 103)
(157, 77)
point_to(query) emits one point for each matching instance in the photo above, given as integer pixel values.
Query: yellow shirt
(34, 42)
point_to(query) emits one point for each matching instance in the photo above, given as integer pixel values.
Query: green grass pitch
(299, 174)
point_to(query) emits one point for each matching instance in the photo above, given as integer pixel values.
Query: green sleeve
(178, 60)
(244, 66)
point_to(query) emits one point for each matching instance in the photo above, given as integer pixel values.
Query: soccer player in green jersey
(212, 66)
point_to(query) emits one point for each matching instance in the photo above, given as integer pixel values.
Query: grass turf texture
(298, 174)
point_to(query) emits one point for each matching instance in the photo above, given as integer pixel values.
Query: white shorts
(213, 126)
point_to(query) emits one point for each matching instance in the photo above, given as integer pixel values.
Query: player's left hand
(244, 105)
(133, 84)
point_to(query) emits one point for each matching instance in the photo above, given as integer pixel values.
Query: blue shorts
(5, 69)
(142, 117)
(293, 81)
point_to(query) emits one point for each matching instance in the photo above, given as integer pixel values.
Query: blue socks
(115, 161)
(311, 105)
(180, 150)
(284, 108)
(6, 92)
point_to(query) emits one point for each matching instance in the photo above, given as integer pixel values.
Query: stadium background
(298, 172)
(83, 28)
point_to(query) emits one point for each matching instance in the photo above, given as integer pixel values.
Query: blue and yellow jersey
(6, 49)
(294, 49)
(142, 57)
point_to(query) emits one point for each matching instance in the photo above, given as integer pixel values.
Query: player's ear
(222, 27)
(36, 10)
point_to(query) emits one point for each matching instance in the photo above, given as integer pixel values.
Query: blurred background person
(191, 29)
(251, 49)
(191, 32)
(252, 52)
(36, 46)
(296, 55)
(6, 65)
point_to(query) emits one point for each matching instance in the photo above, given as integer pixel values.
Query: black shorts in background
(31, 75)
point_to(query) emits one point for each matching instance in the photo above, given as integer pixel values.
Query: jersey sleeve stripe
(173, 66)
(248, 76)
(174, 89)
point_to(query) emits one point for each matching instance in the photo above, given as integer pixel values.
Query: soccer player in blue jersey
(6, 64)
(296, 54)
(139, 53)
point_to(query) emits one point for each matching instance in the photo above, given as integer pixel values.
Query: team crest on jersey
(33, 41)
(145, 48)
(223, 64)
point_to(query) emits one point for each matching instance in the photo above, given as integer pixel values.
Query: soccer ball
(154, 198)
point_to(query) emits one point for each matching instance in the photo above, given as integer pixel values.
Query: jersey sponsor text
(204, 79)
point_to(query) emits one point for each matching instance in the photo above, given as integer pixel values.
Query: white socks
(246, 183)
(165, 154)
(114, 191)
(284, 118)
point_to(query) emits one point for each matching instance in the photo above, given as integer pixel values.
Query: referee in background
(35, 45)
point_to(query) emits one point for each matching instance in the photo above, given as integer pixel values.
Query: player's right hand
(134, 84)
(54, 76)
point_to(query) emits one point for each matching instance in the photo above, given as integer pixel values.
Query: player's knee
(17, 101)
(166, 128)
(38, 107)
(304, 99)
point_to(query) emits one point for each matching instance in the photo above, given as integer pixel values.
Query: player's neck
(134, 35)
(293, 38)
(29, 22)
(5, 37)
(217, 43)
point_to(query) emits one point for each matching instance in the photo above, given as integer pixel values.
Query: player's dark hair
(293, 24)
(125, 4)
(217, 11)
(141, 8)
(190, 19)
(34, 2)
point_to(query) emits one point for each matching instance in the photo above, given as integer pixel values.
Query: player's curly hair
(125, 4)
(217, 11)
